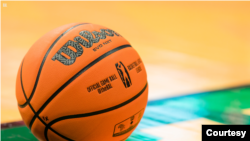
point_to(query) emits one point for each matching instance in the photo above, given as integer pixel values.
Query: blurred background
(197, 48)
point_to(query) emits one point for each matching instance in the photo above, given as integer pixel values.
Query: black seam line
(41, 66)
(21, 78)
(60, 135)
(73, 78)
(48, 126)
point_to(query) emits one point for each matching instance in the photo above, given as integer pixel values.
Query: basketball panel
(34, 57)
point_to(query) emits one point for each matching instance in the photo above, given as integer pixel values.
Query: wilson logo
(90, 38)
(123, 74)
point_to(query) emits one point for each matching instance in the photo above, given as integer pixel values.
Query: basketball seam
(41, 66)
(32, 107)
(24, 91)
(48, 126)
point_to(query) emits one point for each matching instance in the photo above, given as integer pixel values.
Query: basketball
(82, 82)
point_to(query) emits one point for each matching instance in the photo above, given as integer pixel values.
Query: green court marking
(21, 133)
(226, 106)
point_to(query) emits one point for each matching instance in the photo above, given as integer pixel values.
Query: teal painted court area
(222, 106)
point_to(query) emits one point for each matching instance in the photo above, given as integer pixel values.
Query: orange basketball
(82, 82)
